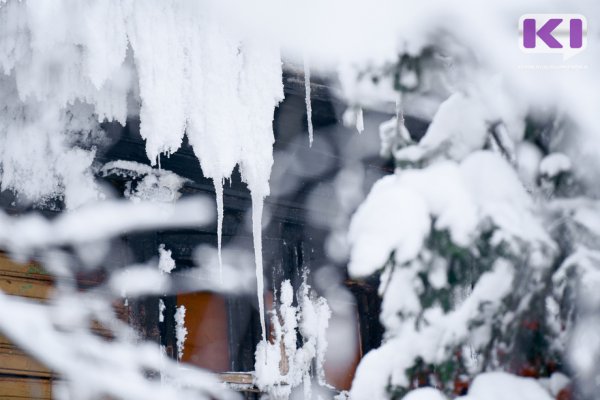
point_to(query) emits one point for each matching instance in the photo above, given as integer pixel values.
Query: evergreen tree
(482, 239)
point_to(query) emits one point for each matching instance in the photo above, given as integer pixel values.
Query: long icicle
(307, 100)
(257, 212)
(220, 212)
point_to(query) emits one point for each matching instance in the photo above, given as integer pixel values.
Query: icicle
(220, 211)
(360, 123)
(163, 356)
(399, 115)
(307, 100)
(307, 387)
(260, 84)
(161, 310)
(257, 212)
(180, 330)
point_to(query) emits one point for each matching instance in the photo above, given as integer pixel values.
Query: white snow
(343, 395)
(161, 313)
(580, 271)
(360, 123)
(397, 214)
(180, 330)
(401, 297)
(69, 65)
(504, 386)
(555, 163)
(392, 134)
(457, 129)
(432, 342)
(446, 195)
(500, 196)
(353, 117)
(151, 184)
(529, 157)
(280, 364)
(395, 219)
(555, 383)
(424, 394)
(97, 222)
(166, 264)
(137, 280)
(238, 272)
(92, 365)
(308, 101)
(392, 218)
(54, 94)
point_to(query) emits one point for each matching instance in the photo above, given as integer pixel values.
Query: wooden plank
(31, 281)
(237, 377)
(239, 381)
(17, 388)
(29, 270)
(34, 270)
(15, 362)
(26, 287)
(24, 279)
(207, 339)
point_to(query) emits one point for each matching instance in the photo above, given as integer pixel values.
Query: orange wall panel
(206, 345)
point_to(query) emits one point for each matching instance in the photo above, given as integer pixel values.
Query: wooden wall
(22, 377)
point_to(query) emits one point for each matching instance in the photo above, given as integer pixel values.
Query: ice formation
(147, 183)
(360, 123)
(220, 212)
(161, 310)
(54, 94)
(166, 264)
(68, 66)
(180, 330)
(353, 117)
(307, 100)
(280, 364)
(217, 87)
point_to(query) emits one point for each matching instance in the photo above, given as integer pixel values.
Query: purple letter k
(545, 33)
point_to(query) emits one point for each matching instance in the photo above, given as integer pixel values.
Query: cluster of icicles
(192, 74)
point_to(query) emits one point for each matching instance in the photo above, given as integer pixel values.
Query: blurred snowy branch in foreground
(89, 366)
(99, 221)
(62, 334)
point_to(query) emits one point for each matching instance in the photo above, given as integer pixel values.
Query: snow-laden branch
(58, 335)
(99, 221)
